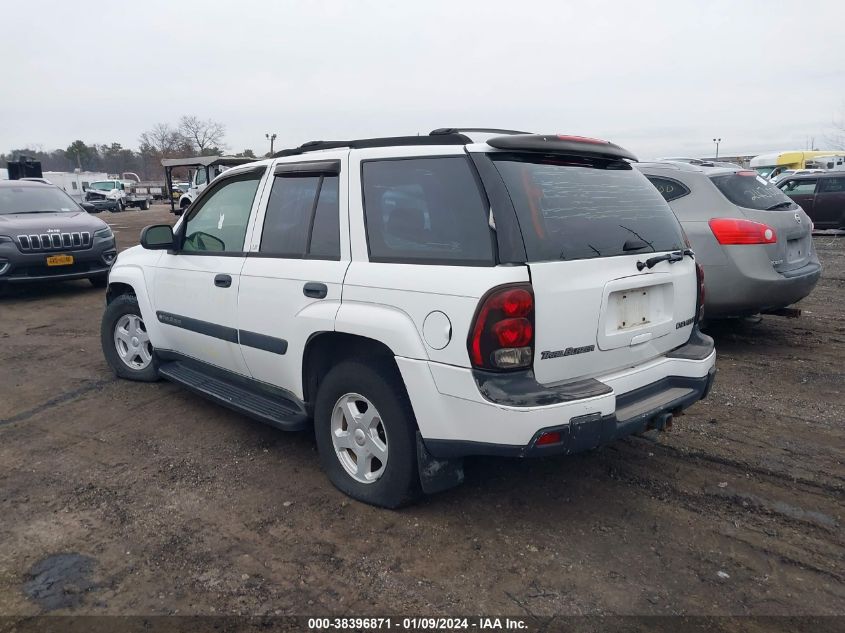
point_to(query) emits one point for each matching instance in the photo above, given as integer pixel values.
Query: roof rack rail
(450, 138)
(459, 130)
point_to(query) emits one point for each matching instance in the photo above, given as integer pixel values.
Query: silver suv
(755, 244)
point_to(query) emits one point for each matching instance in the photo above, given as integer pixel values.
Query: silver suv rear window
(581, 208)
(747, 189)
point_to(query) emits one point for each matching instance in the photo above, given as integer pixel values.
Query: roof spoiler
(560, 144)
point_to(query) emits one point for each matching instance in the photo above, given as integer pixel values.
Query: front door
(802, 191)
(293, 276)
(195, 289)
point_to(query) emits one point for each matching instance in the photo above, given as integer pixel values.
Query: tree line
(191, 136)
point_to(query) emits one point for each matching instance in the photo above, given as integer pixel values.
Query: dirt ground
(128, 498)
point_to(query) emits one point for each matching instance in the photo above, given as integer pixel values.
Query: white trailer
(74, 183)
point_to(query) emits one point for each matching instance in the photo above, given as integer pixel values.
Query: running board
(272, 409)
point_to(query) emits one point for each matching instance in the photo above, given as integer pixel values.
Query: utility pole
(272, 139)
(717, 141)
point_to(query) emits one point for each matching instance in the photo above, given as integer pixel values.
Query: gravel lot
(127, 498)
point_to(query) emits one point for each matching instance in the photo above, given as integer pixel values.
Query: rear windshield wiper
(677, 256)
(640, 237)
(785, 203)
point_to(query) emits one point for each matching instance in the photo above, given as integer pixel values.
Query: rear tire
(394, 480)
(134, 358)
(145, 205)
(120, 205)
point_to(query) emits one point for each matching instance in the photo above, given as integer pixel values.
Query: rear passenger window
(832, 185)
(427, 211)
(325, 234)
(668, 188)
(302, 218)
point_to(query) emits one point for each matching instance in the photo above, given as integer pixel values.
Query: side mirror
(87, 206)
(158, 237)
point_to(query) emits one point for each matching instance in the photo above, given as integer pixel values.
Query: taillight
(502, 334)
(734, 231)
(699, 305)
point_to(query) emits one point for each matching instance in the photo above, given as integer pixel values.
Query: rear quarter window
(426, 211)
(751, 191)
(575, 208)
(668, 188)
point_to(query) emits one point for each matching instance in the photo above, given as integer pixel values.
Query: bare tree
(836, 139)
(204, 135)
(163, 141)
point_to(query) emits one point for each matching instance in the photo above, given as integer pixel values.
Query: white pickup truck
(116, 195)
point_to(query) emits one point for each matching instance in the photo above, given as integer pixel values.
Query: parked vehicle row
(420, 299)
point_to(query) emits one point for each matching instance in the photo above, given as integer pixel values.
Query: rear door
(586, 223)
(293, 276)
(829, 209)
(761, 201)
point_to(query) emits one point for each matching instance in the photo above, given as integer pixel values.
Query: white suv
(420, 299)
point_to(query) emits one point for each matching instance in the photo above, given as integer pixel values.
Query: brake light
(734, 231)
(502, 334)
(699, 305)
(747, 173)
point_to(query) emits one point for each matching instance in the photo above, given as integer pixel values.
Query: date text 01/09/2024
(417, 624)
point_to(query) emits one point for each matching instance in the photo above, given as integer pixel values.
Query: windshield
(103, 185)
(35, 200)
(578, 208)
(747, 189)
(765, 171)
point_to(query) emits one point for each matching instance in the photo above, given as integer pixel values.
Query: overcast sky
(661, 78)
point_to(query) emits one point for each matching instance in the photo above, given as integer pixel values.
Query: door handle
(315, 290)
(222, 281)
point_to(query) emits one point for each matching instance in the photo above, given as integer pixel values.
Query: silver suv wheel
(132, 342)
(359, 438)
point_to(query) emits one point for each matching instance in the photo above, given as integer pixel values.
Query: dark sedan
(822, 196)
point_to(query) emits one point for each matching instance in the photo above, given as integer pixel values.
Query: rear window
(574, 208)
(748, 190)
(427, 211)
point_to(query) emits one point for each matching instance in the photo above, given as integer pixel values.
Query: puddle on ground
(60, 581)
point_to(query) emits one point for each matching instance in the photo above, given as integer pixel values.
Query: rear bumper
(641, 409)
(748, 286)
(456, 419)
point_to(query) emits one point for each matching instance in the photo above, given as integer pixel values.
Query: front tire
(125, 341)
(366, 434)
